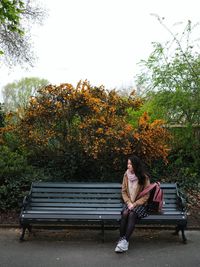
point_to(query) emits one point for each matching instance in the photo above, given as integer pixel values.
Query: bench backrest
(76, 195)
(64, 196)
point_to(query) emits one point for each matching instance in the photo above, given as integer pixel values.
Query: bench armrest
(26, 201)
(181, 200)
(24, 204)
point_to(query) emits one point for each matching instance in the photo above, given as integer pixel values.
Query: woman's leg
(127, 225)
(132, 218)
(123, 223)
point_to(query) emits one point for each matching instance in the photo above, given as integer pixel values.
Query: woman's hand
(131, 206)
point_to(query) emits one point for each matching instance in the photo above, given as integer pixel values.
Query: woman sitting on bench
(134, 181)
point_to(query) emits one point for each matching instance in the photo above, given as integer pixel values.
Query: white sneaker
(117, 249)
(122, 246)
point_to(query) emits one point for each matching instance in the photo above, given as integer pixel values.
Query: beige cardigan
(140, 188)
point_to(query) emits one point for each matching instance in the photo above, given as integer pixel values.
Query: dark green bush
(13, 180)
(181, 169)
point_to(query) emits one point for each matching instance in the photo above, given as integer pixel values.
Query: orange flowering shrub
(151, 139)
(72, 127)
(88, 115)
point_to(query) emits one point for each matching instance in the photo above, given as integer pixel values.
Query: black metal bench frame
(92, 204)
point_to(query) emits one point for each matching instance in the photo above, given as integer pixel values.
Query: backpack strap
(147, 189)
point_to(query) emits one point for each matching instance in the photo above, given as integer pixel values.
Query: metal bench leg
(102, 231)
(23, 233)
(182, 227)
(177, 229)
(24, 227)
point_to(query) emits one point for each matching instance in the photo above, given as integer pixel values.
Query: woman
(134, 181)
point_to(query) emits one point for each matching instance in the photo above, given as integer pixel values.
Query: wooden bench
(93, 203)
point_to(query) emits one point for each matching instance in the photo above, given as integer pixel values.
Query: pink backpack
(155, 201)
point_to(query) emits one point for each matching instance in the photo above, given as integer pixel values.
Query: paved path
(83, 248)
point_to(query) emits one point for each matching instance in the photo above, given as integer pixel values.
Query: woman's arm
(125, 195)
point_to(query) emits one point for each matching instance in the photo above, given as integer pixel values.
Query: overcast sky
(99, 40)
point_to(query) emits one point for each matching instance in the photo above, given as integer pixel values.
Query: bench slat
(75, 195)
(72, 200)
(102, 216)
(86, 208)
(90, 185)
(75, 204)
(76, 185)
(94, 211)
(76, 190)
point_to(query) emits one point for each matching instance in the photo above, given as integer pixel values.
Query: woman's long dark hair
(139, 169)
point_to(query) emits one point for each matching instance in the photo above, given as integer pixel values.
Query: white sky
(99, 40)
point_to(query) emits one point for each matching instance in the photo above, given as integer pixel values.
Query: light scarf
(132, 185)
(131, 176)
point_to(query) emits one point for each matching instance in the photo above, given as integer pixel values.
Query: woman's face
(129, 166)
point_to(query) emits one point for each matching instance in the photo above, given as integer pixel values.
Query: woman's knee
(133, 215)
(125, 213)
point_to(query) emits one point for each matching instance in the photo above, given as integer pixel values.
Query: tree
(16, 18)
(16, 95)
(170, 78)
